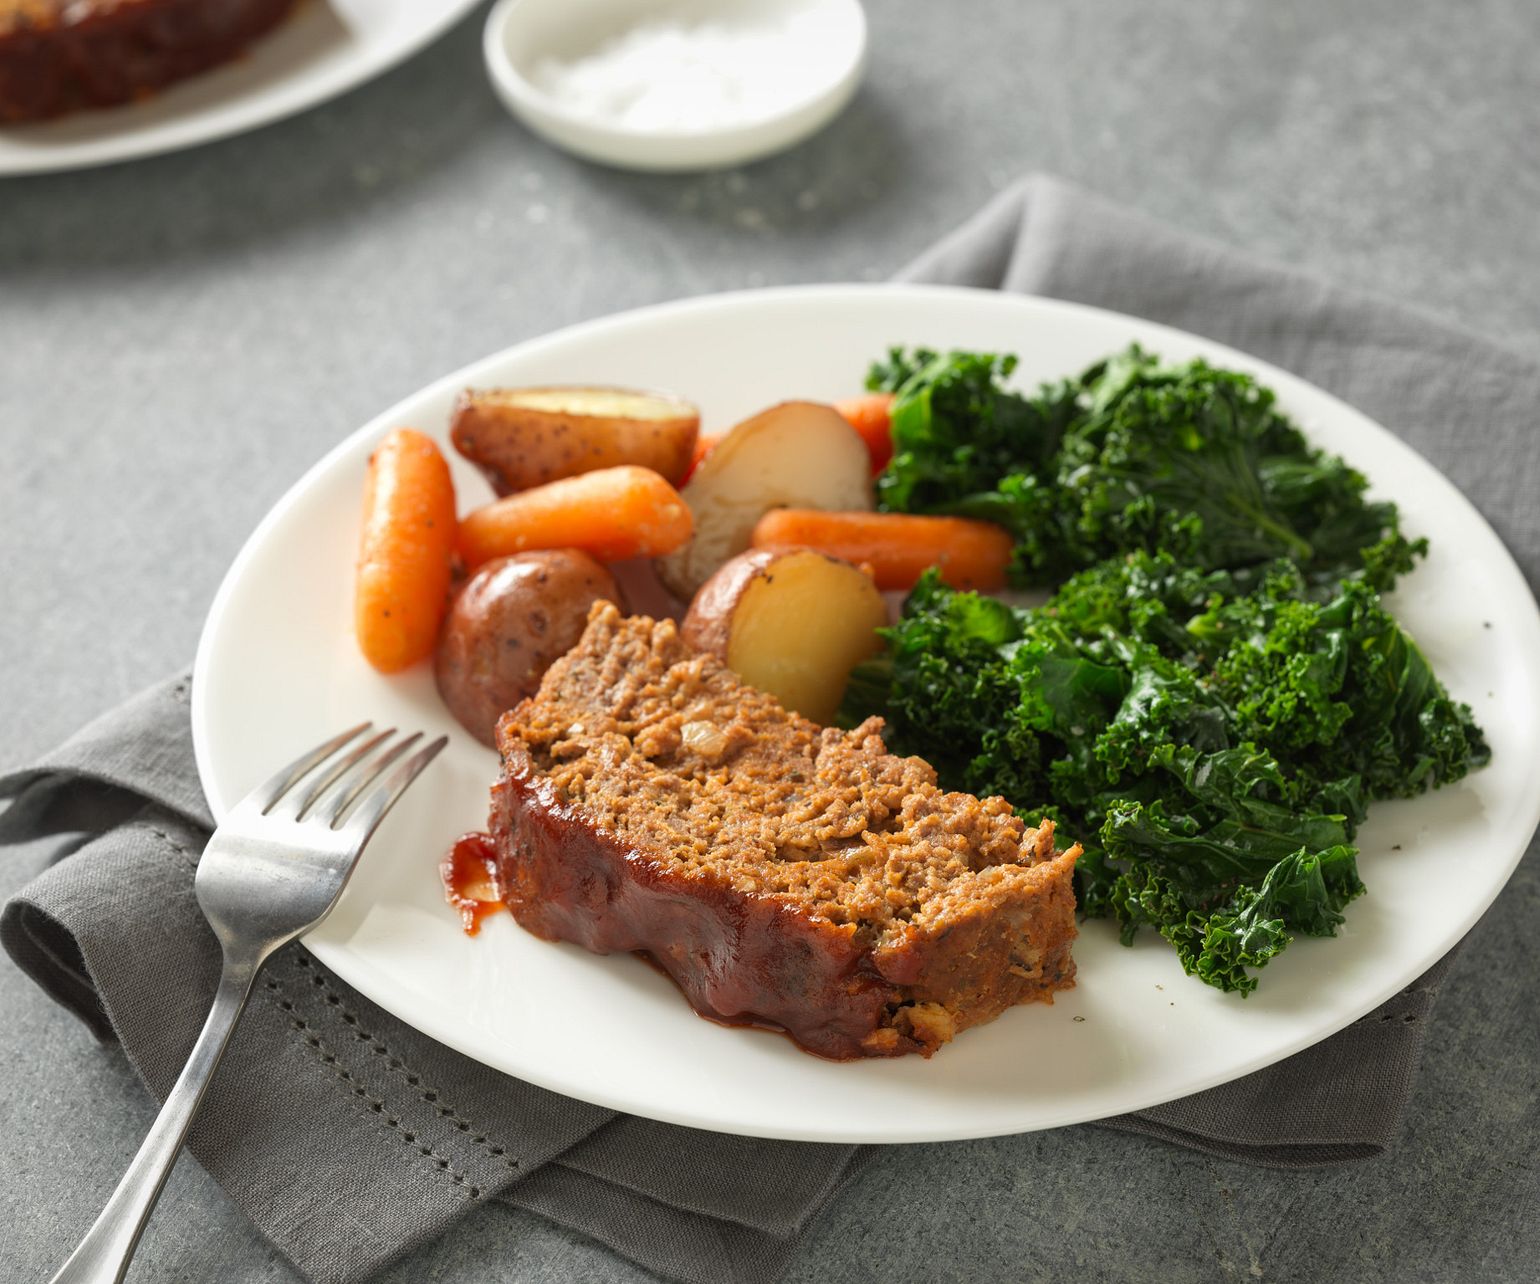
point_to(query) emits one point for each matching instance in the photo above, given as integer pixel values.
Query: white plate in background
(277, 671)
(324, 48)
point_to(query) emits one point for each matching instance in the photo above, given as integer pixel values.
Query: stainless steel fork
(272, 871)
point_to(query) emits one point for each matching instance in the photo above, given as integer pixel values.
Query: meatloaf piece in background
(57, 56)
(781, 873)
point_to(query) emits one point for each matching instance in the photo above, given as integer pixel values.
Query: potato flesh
(608, 403)
(795, 455)
(800, 628)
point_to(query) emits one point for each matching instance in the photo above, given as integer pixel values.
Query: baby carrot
(402, 583)
(871, 416)
(897, 546)
(611, 513)
(704, 445)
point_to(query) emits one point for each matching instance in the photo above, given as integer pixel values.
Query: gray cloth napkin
(349, 1138)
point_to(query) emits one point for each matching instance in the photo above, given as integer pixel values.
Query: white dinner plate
(324, 48)
(277, 671)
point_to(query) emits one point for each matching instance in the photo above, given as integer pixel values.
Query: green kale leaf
(1212, 737)
(1132, 456)
(1215, 691)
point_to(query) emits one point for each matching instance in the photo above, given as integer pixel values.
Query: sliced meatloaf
(782, 874)
(57, 56)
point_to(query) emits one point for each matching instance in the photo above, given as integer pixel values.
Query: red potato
(406, 547)
(525, 437)
(899, 547)
(511, 620)
(792, 624)
(798, 453)
(612, 514)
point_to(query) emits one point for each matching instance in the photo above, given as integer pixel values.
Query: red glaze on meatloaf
(58, 56)
(780, 873)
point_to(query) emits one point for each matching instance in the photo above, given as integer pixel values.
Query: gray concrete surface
(181, 337)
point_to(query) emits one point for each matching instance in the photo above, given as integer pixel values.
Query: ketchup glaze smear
(469, 874)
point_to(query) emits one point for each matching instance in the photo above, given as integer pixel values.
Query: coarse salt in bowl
(675, 84)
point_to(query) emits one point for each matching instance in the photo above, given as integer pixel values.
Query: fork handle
(102, 1257)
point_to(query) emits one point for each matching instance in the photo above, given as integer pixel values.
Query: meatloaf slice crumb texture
(781, 873)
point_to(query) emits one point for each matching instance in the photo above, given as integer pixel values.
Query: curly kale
(1214, 693)
(1304, 892)
(1133, 456)
(1212, 736)
(966, 444)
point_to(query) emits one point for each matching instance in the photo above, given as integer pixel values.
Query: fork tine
(294, 804)
(276, 786)
(329, 807)
(367, 816)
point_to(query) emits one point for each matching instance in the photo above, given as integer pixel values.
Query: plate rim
(241, 114)
(444, 1031)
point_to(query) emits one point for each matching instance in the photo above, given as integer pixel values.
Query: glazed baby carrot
(897, 546)
(870, 415)
(704, 445)
(611, 513)
(404, 553)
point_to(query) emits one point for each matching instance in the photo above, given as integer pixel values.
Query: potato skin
(707, 625)
(517, 447)
(511, 620)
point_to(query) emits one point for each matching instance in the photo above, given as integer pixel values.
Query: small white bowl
(520, 33)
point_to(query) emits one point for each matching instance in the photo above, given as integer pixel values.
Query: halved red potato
(793, 624)
(799, 454)
(523, 437)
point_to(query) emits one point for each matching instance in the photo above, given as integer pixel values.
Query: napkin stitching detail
(428, 1095)
(376, 1045)
(1414, 991)
(175, 846)
(330, 1060)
